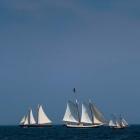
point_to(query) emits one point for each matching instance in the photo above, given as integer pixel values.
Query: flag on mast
(74, 90)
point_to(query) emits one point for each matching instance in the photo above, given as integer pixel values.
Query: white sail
(26, 122)
(42, 117)
(124, 122)
(71, 114)
(111, 123)
(86, 114)
(98, 116)
(31, 118)
(118, 124)
(22, 120)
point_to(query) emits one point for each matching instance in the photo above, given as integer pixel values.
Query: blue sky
(47, 47)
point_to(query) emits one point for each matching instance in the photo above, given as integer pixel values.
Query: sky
(48, 47)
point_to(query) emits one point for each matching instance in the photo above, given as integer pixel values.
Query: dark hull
(115, 127)
(34, 126)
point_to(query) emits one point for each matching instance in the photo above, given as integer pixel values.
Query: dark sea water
(59, 132)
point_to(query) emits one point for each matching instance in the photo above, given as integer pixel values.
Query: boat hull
(82, 126)
(35, 126)
(118, 127)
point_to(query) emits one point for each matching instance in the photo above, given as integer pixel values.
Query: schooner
(118, 124)
(29, 120)
(90, 116)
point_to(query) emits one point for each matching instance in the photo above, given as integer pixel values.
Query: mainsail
(86, 114)
(31, 118)
(71, 114)
(42, 117)
(98, 117)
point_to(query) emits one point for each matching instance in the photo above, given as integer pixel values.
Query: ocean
(59, 132)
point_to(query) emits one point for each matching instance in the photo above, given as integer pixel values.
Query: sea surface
(60, 132)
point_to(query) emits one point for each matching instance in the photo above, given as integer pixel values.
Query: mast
(86, 114)
(31, 118)
(90, 106)
(26, 122)
(74, 90)
(120, 121)
(78, 111)
(38, 113)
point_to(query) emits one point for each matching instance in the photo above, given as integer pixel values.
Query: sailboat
(115, 124)
(119, 124)
(90, 116)
(42, 119)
